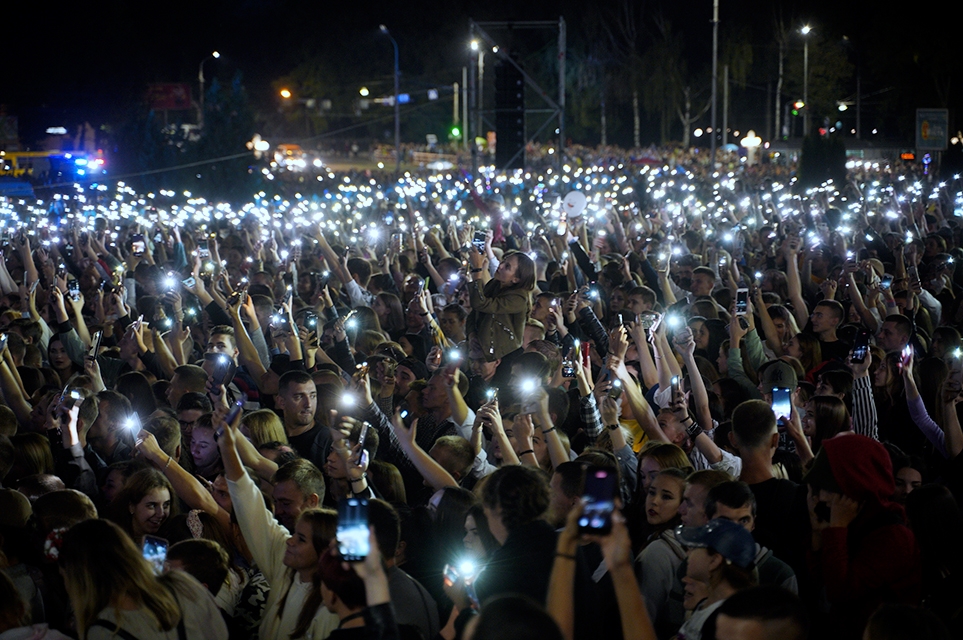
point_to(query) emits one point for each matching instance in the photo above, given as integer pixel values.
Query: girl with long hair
(288, 561)
(145, 503)
(390, 313)
(115, 594)
(661, 548)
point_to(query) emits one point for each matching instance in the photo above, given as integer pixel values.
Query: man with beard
(297, 400)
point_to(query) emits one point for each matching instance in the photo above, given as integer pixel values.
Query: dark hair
(905, 622)
(167, 431)
(449, 521)
(733, 494)
(134, 386)
(387, 525)
(193, 400)
(477, 512)
(295, 376)
(572, 476)
(836, 307)
(345, 583)
(774, 607)
(307, 477)
(204, 559)
(753, 423)
(513, 617)
(936, 520)
(830, 417)
(521, 493)
(524, 271)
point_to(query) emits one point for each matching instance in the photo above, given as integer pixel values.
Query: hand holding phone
(353, 533)
(599, 497)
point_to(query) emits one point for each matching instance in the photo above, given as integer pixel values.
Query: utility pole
(715, 79)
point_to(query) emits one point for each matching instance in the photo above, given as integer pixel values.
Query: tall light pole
(394, 43)
(805, 31)
(715, 82)
(200, 78)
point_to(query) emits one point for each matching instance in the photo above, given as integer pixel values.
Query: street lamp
(200, 78)
(805, 32)
(286, 94)
(394, 43)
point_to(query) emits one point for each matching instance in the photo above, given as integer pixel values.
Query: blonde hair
(264, 426)
(100, 564)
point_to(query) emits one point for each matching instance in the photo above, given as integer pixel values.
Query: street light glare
(383, 28)
(285, 94)
(805, 30)
(474, 45)
(363, 91)
(216, 54)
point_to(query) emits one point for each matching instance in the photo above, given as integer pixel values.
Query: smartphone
(280, 321)
(73, 288)
(616, 391)
(232, 414)
(203, 249)
(568, 365)
(913, 274)
(311, 321)
(861, 347)
(955, 379)
(353, 540)
(782, 404)
(189, 283)
(138, 246)
(905, 356)
(585, 348)
(886, 282)
(742, 302)
(675, 386)
(599, 498)
(479, 240)
(363, 434)
(221, 369)
(3, 341)
(155, 553)
(95, 344)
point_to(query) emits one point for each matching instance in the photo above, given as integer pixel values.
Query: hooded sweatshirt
(875, 559)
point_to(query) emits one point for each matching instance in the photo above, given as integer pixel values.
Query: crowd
(702, 406)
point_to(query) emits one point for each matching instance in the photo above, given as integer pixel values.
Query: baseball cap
(779, 374)
(726, 537)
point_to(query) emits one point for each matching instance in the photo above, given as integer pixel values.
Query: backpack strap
(114, 628)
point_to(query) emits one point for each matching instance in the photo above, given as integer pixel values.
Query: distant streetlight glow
(364, 92)
(285, 93)
(216, 55)
(805, 30)
(474, 45)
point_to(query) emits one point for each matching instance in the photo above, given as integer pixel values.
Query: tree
(663, 81)
(228, 126)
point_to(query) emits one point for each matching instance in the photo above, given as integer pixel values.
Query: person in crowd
(853, 518)
(427, 332)
(114, 591)
(720, 557)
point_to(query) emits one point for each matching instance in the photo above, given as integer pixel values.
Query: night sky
(91, 61)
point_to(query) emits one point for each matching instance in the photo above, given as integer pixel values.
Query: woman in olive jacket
(500, 304)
